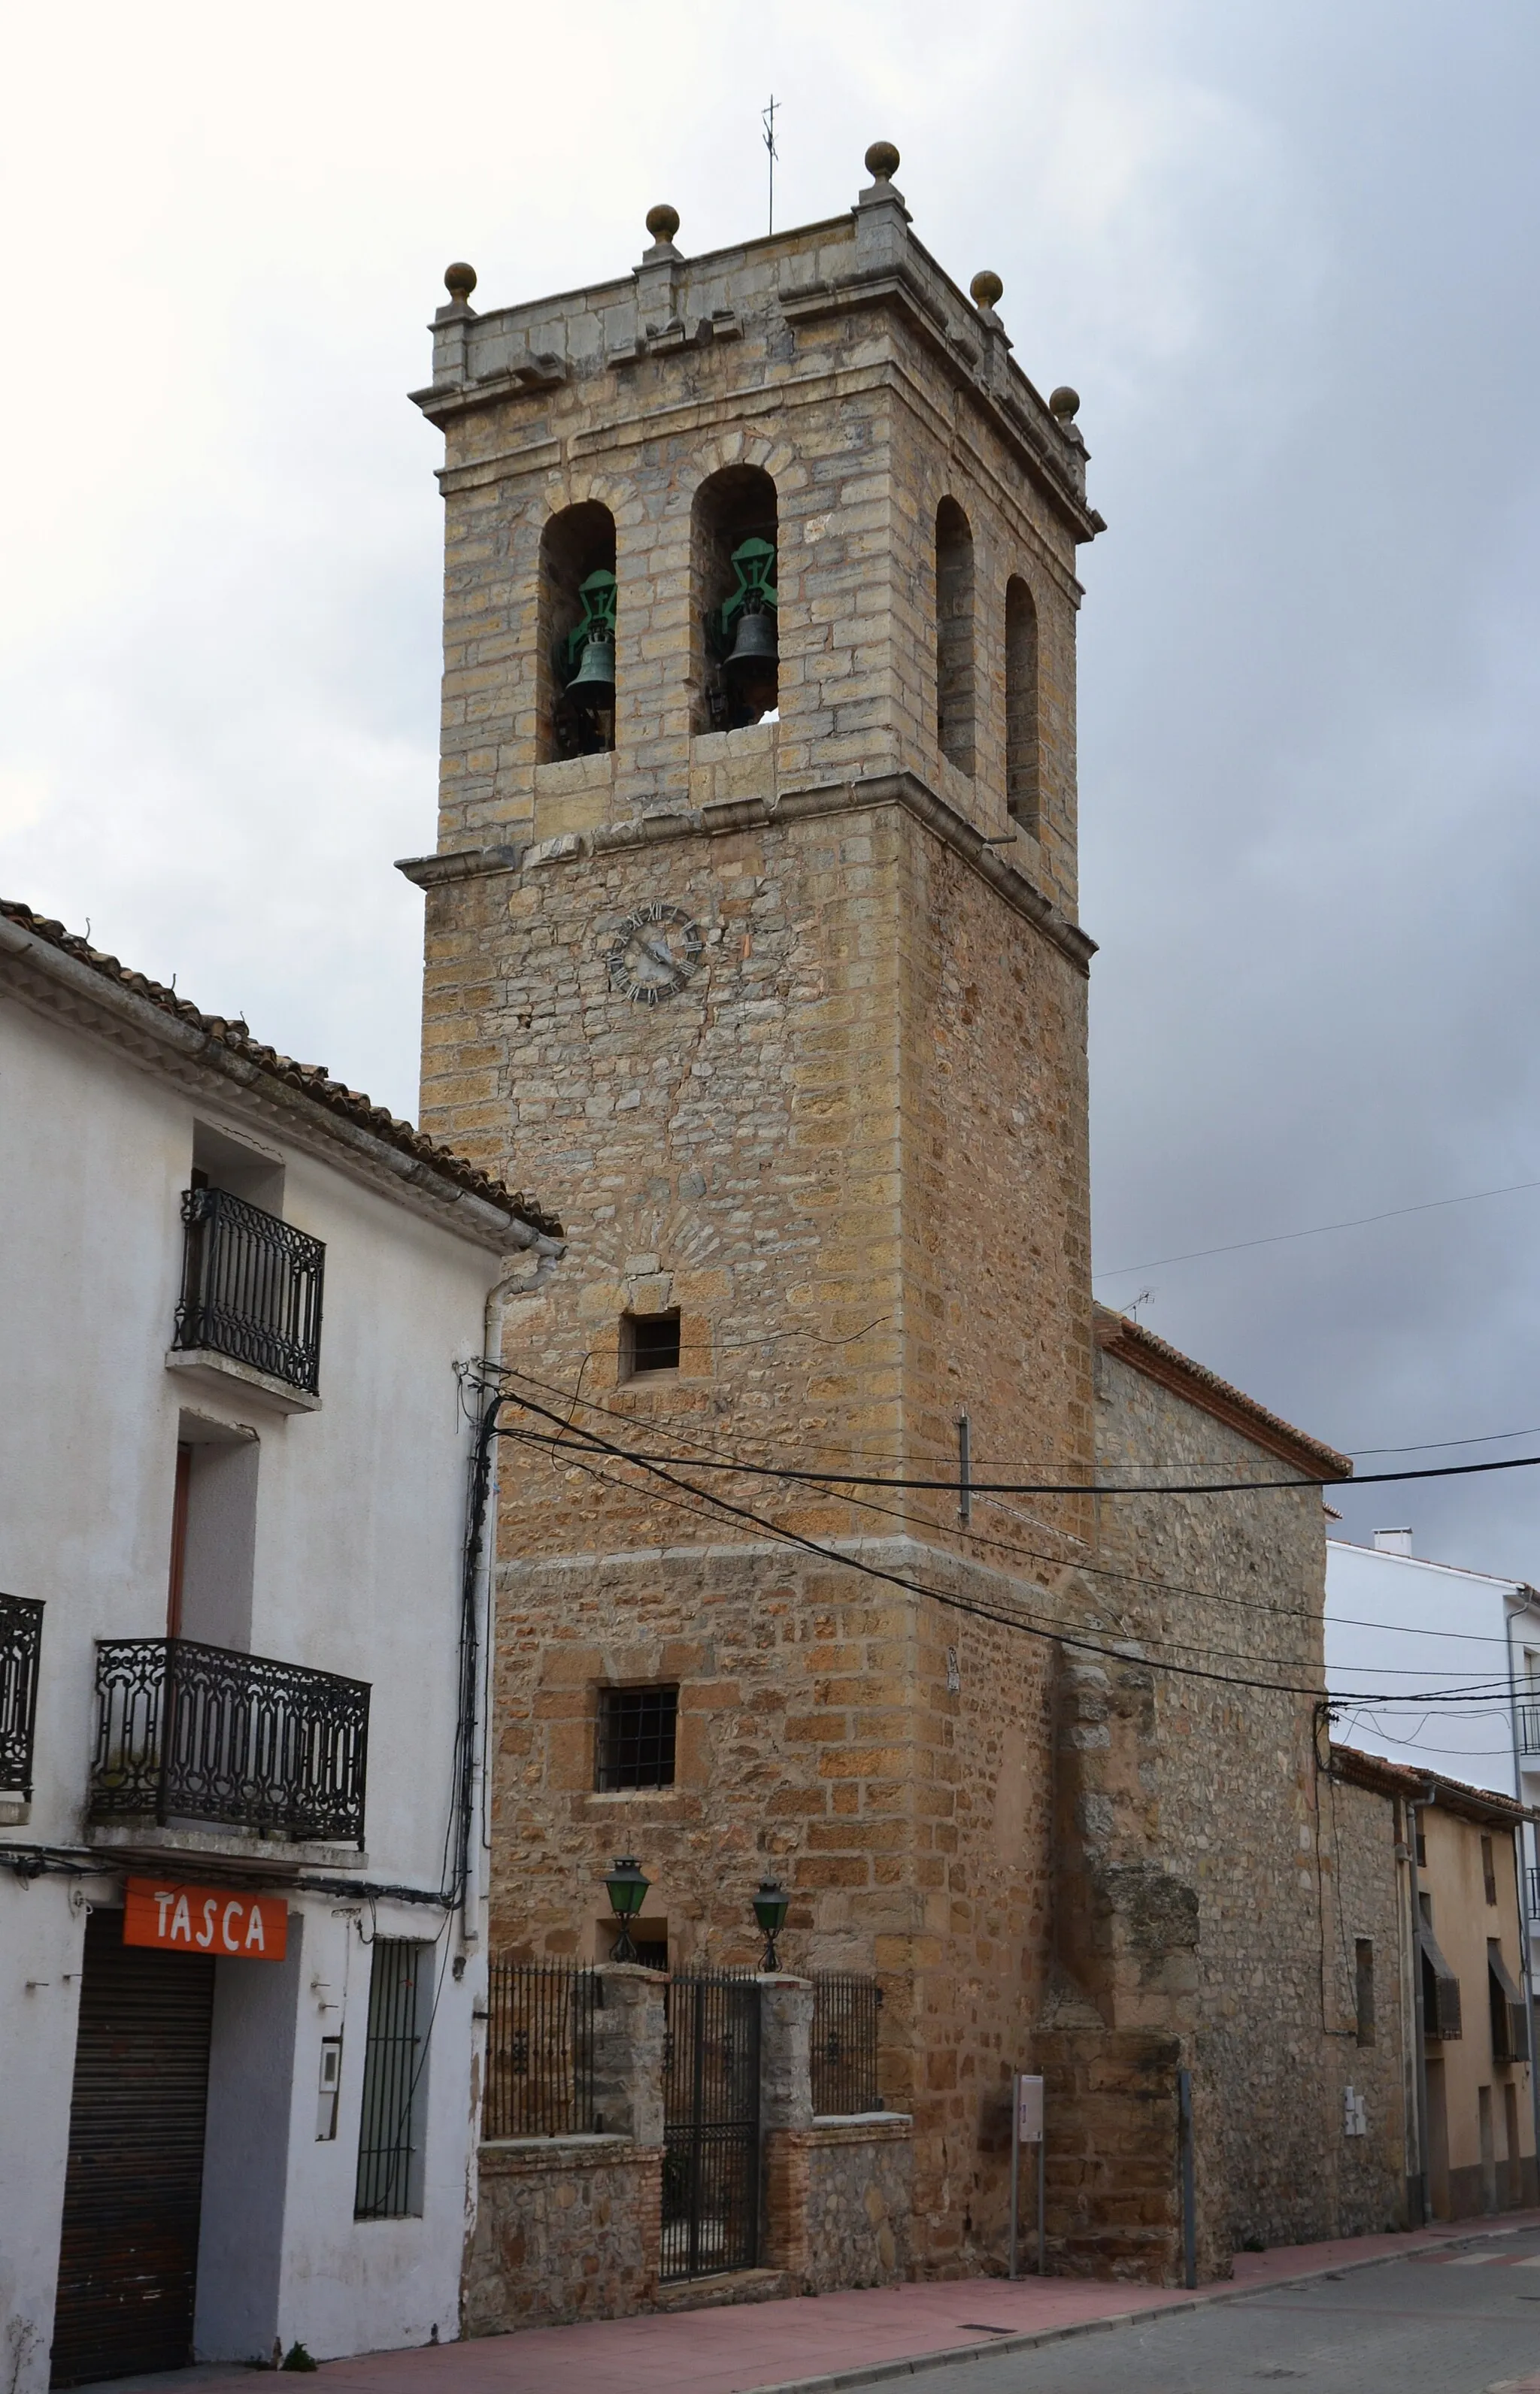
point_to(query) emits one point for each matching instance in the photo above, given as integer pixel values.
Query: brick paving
(832, 2339)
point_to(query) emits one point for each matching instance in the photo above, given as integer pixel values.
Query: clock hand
(661, 955)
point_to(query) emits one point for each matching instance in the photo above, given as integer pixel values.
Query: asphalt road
(1465, 2323)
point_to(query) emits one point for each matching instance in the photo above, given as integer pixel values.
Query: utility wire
(1317, 1230)
(1037, 1553)
(1026, 1623)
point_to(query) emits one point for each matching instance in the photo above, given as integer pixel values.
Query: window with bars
(395, 2081)
(637, 1730)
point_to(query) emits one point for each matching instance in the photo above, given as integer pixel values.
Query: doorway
(128, 2242)
(711, 2126)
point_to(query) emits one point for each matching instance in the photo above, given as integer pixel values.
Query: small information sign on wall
(205, 1920)
(1029, 2110)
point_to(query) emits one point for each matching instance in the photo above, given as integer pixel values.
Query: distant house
(1458, 1652)
(1445, 2027)
(241, 1876)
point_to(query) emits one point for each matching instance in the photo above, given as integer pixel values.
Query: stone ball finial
(986, 289)
(882, 161)
(460, 282)
(1064, 404)
(663, 222)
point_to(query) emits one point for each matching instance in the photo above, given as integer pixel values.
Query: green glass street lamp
(770, 1907)
(627, 1885)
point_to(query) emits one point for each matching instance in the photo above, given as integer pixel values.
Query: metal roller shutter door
(128, 2249)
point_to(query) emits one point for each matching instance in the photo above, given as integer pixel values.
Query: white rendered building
(242, 1652)
(1400, 1627)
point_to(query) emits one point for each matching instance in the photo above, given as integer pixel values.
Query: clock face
(654, 954)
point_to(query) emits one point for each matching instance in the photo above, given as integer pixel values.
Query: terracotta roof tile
(311, 1080)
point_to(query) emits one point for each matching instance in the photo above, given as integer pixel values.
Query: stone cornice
(726, 816)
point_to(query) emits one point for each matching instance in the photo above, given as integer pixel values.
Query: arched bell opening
(577, 632)
(955, 692)
(1022, 794)
(737, 601)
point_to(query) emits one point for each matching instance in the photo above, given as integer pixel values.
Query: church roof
(1121, 1336)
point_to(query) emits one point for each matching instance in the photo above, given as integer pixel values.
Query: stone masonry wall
(1227, 1795)
(837, 2203)
(566, 2229)
(1362, 1885)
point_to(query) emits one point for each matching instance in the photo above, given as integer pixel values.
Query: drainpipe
(480, 1612)
(1419, 2023)
(1522, 1880)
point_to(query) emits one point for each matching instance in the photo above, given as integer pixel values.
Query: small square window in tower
(637, 1730)
(648, 1342)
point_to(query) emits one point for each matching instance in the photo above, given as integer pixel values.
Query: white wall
(1401, 1627)
(355, 1568)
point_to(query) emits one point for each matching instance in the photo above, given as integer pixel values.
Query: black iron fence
(1533, 1875)
(251, 1288)
(194, 1732)
(540, 2050)
(845, 2044)
(20, 1643)
(1529, 1729)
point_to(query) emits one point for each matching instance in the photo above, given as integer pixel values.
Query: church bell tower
(751, 943)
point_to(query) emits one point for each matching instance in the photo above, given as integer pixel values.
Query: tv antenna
(767, 117)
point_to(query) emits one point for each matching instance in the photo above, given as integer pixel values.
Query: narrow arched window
(736, 665)
(955, 636)
(576, 664)
(1021, 738)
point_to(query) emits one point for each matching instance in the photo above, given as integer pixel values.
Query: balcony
(1529, 1729)
(20, 1643)
(251, 1298)
(191, 1734)
(1532, 1876)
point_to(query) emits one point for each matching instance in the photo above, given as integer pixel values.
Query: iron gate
(711, 2126)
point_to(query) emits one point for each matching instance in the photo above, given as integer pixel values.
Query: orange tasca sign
(205, 1920)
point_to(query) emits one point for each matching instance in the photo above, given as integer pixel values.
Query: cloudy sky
(1288, 256)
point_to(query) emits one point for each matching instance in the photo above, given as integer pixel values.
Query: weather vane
(768, 119)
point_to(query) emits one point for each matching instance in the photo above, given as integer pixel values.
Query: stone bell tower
(751, 943)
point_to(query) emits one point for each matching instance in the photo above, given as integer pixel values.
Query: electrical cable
(1047, 1633)
(1319, 1231)
(1036, 1554)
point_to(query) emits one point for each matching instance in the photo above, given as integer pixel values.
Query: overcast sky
(1287, 254)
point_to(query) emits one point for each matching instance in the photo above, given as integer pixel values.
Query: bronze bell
(594, 682)
(753, 651)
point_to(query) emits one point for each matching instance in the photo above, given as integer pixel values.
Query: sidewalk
(824, 2341)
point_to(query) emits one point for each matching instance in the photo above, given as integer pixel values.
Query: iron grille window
(194, 1732)
(20, 1641)
(540, 2050)
(390, 2177)
(251, 1288)
(636, 1737)
(844, 2053)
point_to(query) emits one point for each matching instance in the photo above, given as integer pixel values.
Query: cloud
(1286, 257)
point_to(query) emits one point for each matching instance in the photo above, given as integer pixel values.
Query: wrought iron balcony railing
(1529, 1729)
(251, 1288)
(1533, 1878)
(20, 1642)
(191, 1733)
